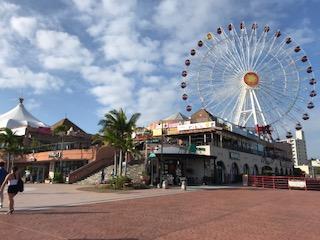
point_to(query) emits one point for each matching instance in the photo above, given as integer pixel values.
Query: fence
(284, 182)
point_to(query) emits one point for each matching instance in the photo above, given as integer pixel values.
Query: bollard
(183, 185)
(164, 184)
(158, 185)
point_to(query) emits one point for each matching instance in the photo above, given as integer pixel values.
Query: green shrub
(58, 177)
(119, 182)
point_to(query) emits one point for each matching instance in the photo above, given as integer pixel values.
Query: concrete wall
(240, 158)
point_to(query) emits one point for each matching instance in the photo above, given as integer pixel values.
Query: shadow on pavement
(39, 212)
(104, 239)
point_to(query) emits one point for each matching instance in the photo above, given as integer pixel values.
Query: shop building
(205, 150)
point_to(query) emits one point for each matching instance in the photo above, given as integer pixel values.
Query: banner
(297, 183)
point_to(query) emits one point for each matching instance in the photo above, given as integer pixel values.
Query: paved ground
(205, 214)
(43, 196)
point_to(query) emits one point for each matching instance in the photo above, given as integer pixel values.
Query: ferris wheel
(251, 77)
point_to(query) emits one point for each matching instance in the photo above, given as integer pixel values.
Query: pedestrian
(13, 188)
(3, 174)
(102, 176)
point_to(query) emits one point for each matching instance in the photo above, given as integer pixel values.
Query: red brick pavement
(209, 214)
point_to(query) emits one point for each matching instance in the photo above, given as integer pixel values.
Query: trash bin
(245, 180)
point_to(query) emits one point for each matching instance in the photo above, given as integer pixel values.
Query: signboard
(234, 155)
(203, 150)
(297, 183)
(192, 126)
(55, 155)
(156, 132)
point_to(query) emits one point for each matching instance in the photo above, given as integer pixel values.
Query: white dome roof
(19, 118)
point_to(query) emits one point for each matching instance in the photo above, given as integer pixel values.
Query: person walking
(12, 180)
(3, 174)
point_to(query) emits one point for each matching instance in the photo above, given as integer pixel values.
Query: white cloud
(17, 78)
(24, 26)
(303, 33)
(32, 104)
(111, 88)
(61, 50)
(156, 101)
(141, 67)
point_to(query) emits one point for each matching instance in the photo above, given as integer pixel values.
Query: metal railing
(282, 182)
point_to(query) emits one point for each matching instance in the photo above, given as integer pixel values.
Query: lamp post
(151, 157)
(214, 169)
(161, 152)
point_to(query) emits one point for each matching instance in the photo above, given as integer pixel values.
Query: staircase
(104, 157)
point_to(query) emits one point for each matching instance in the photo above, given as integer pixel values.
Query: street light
(151, 157)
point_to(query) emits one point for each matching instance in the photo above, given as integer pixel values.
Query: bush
(120, 182)
(58, 177)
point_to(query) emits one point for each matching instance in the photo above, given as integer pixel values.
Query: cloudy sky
(82, 58)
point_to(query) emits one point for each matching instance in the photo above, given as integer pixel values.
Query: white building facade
(299, 149)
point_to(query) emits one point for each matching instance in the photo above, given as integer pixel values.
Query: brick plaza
(250, 213)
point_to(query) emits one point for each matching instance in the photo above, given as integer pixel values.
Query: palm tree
(117, 131)
(11, 144)
(61, 131)
(130, 150)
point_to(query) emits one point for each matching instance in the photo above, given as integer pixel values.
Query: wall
(241, 158)
(134, 171)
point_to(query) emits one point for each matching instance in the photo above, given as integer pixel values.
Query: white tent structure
(18, 119)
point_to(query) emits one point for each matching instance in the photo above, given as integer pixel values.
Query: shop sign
(193, 126)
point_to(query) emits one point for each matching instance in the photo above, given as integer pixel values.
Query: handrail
(104, 157)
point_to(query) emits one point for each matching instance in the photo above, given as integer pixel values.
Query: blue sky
(82, 58)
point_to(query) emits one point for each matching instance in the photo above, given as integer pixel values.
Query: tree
(61, 131)
(130, 148)
(117, 131)
(11, 144)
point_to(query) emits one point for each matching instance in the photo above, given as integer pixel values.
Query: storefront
(196, 169)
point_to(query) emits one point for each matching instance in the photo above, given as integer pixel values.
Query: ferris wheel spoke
(241, 52)
(215, 106)
(275, 92)
(257, 43)
(231, 64)
(260, 50)
(258, 61)
(246, 37)
(235, 55)
(227, 106)
(275, 95)
(287, 58)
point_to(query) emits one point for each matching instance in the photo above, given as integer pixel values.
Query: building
(19, 119)
(45, 152)
(299, 149)
(206, 149)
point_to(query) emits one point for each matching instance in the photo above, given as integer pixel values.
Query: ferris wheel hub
(251, 79)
